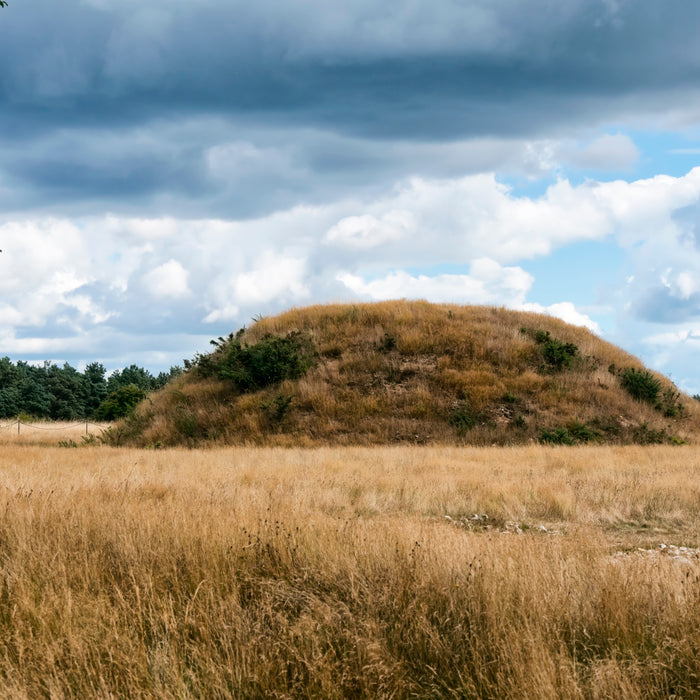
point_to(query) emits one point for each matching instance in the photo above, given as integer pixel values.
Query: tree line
(63, 393)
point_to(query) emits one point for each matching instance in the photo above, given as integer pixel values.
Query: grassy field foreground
(385, 572)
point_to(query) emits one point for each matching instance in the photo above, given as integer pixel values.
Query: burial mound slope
(412, 373)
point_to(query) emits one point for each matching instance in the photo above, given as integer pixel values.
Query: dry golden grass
(441, 359)
(353, 572)
(48, 432)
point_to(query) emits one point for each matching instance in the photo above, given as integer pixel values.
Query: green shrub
(644, 435)
(573, 433)
(607, 426)
(114, 435)
(640, 384)
(27, 418)
(556, 436)
(559, 355)
(670, 403)
(252, 367)
(120, 403)
(463, 417)
(556, 354)
(85, 441)
(277, 408)
(582, 432)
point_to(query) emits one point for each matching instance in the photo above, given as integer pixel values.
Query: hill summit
(412, 372)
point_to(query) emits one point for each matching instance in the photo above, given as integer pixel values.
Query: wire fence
(19, 425)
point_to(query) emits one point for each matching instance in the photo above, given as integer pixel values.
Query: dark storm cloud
(209, 167)
(428, 70)
(124, 105)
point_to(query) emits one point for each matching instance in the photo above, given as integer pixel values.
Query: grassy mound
(412, 372)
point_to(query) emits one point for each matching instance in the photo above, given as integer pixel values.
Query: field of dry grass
(387, 572)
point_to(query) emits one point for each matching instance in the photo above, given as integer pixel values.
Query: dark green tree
(164, 377)
(67, 389)
(10, 378)
(120, 403)
(95, 386)
(64, 393)
(34, 397)
(9, 402)
(131, 375)
(9, 373)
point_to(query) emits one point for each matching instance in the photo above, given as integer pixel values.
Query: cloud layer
(232, 109)
(98, 277)
(170, 169)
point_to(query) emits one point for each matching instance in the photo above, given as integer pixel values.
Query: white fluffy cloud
(207, 276)
(472, 217)
(45, 264)
(368, 231)
(168, 281)
(273, 277)
(687, 283)
(487, 283)
(464, 219)
(566, 311)
(40, 253)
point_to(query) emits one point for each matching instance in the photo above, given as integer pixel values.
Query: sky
(170, 171)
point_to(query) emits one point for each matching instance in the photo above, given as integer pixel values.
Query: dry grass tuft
(378, 573)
